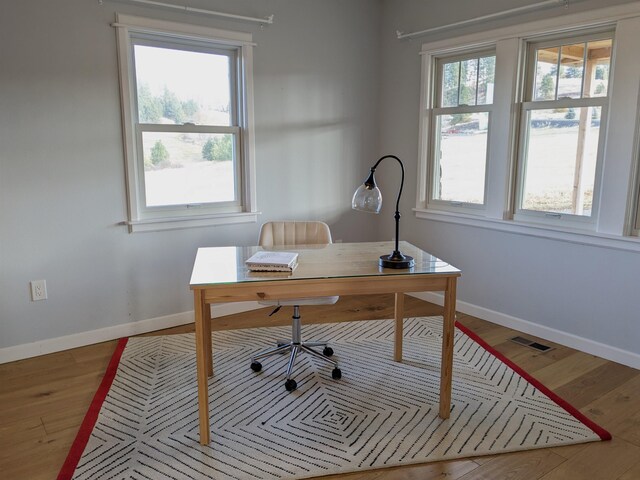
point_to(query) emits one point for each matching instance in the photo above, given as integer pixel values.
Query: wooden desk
(220, 276)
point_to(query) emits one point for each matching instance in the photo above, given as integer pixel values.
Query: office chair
(296, 233)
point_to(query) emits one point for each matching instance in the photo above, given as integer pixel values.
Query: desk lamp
(368, 198)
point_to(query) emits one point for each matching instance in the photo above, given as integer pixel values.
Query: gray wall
(582, 290)
(62, 193)
(334, 90)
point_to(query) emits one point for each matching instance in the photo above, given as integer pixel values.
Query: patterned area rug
(144, 422)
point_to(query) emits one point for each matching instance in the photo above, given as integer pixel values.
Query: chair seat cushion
(301, 301)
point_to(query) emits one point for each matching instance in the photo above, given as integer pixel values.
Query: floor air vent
(530, 343)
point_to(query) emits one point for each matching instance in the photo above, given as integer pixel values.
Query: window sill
(174, 223)
(631, 244)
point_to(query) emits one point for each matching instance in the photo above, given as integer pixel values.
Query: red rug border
(84, 433)
(561, 402)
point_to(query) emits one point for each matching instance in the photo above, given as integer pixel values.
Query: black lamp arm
(397, 213)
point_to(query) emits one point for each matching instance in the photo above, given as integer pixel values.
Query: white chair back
(294, 233)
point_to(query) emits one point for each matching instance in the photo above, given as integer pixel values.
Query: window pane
(468, 79)
(560, 163)
(450, 79)
(574, 78)
(178, 86)
(598, 64)
(571, 71)
(486, 80)
(546, 73)
(468, 82)
(188, 168)
(462, 144)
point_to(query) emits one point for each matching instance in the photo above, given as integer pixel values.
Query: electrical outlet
(38, 290)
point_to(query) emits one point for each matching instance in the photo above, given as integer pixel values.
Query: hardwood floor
(43, 401)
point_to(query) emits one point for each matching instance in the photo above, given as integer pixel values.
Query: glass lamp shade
(367, 199)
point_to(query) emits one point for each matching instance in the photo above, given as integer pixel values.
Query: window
(562, 132)
(562, 127)
(460, 123)
(188, 127)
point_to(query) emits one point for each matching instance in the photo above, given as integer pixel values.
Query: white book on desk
(272, 262)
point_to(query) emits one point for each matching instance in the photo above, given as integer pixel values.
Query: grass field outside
(550, 169)
(185, 177)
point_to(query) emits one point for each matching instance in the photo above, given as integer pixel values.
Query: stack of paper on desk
(272, 262)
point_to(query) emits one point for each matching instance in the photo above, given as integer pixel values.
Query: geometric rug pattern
(379, 414)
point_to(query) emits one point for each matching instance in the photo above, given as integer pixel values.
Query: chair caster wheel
(336, 373)
(290, 385)
(256, 366)
(327, 352)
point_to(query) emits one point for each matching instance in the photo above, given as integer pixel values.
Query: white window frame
(634, 206)
(619, 184)
(636, 228)
(437, 110)
(143, 31)
(528, 105)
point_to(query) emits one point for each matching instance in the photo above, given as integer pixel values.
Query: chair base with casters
(296, 346)
(296, 233)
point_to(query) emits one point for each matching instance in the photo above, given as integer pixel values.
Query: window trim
(633, 208)
(554, 232)
(141, 217)
(617, 205)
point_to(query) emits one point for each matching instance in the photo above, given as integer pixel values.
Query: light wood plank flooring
(43, 401)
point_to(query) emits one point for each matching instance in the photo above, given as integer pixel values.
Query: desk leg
(203, 350)
(399, 331)
(448, 330)
(206, 319)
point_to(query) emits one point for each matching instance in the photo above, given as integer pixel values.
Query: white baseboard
(586, 345)
(34, 349)
(42, 347)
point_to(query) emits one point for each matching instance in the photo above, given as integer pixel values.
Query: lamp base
(396, 260)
